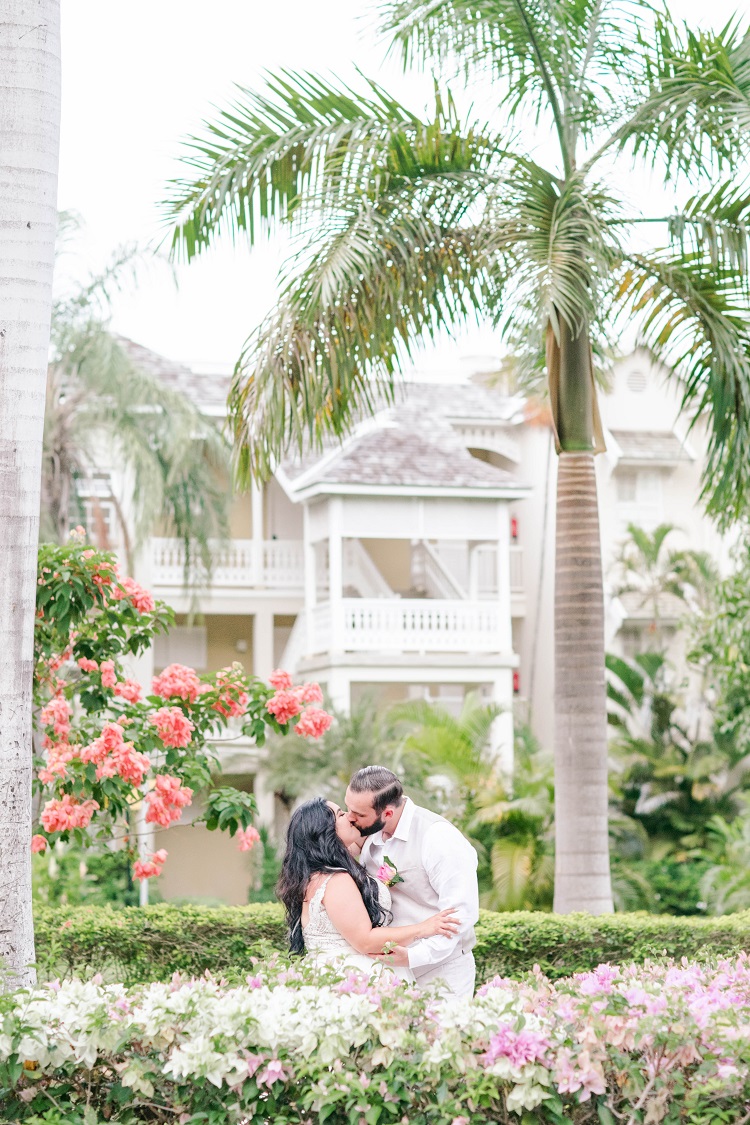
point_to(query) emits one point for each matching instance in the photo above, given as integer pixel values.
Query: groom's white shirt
(439, 869)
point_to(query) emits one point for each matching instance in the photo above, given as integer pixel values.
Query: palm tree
(175, 462)
(29, 140)
(648, 569)
(407, 225)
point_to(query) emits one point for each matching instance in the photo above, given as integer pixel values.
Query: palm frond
(305, 148)
(698, 105)
(342, 329)
(693, 319)
(554, 59)
(716, 224)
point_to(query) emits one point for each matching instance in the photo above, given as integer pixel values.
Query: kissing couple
(381, 881)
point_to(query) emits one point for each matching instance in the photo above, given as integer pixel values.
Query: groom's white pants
(457, 975)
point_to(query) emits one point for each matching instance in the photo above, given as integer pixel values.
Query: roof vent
(637, 382)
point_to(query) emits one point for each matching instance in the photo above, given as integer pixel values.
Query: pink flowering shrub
(106, 746)
(637, 1045)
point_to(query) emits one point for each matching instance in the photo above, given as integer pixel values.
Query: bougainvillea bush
(105, 746)
(650, 1043)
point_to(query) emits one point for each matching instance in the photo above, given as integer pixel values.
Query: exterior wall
(392, 557)
(641, 400)
(225, 632)
(203, 866)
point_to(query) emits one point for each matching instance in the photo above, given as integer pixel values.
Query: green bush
(136, 944)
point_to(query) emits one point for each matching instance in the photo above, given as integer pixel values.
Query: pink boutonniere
(388, 873)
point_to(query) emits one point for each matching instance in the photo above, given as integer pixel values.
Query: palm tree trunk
(582, 880)
(29, 137)
(582, 876)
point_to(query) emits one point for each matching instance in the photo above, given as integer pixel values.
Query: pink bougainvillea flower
(310, 693)
(109, 741)
(109, 676)
(87, 665)
(313, 722)
(56, 714)
(173, 725)
(284, 705)
(129, 689)
(247, 838)
(274, 1072)
(150, 868)
(38, 843)
(125, 762)
(66, 813)
(167, 800)
(141, 599)
(280, 680)
(180, 681)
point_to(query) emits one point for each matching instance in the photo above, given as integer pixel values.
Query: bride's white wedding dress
(326, 945)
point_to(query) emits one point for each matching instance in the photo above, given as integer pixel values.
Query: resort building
(413, 560)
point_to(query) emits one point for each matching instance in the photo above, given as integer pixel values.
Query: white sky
(138, 77)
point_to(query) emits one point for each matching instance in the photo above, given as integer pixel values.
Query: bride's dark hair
(312, 846)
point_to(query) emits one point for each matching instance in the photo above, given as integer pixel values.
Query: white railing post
(311, 581)
(505, 643)
(336, 572)
(256, 513)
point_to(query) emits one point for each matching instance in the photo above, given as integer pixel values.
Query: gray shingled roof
(207, 392)
(399, 455)
(410, 444)
(650, 445)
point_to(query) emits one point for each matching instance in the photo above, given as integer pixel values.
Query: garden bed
(138, 945)
(646, 1043)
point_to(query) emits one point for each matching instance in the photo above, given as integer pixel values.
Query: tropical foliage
(104, 411)
(648, 568)
(107, 748)
(652, 1042)
(410, 223)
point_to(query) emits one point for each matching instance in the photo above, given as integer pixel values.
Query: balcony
(275, 564)
(405, 625)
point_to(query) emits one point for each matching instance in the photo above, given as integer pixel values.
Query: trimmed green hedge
(135, 944)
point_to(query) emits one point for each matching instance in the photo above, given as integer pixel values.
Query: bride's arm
(348, 913)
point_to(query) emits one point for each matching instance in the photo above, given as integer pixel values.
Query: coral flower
(174, 727)
(313, 723)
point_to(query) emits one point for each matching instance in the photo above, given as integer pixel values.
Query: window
(627, 487)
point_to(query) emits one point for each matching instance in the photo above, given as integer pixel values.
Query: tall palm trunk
(29, 137)
(582, 877)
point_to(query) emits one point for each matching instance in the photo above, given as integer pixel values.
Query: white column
(256, 512)
(336, 572)
(503, 577)
(311, 581)
(473, 590)
(146, 842)
(501, 734)
(339, 689)
(263, 663)
(265, 800)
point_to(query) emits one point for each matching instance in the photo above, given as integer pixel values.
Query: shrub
(639, 1044)
(151, 943)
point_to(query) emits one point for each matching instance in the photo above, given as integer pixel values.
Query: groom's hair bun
(385, 787)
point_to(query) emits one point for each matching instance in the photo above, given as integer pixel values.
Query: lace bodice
(320, 934)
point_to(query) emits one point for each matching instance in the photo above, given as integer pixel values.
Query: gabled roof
(410, 445)
(654, 446)
(206, 392)
(396, 455)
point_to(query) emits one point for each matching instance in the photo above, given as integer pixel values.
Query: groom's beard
(370, 830)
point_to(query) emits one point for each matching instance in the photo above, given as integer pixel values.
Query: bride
(335, 911)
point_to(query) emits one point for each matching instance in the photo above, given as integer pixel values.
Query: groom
(433, 867)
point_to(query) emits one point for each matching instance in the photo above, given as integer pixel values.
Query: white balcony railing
(240, 563)
(406, 625)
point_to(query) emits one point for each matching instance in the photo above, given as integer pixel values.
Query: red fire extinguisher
(513, 527)
(516, 682)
